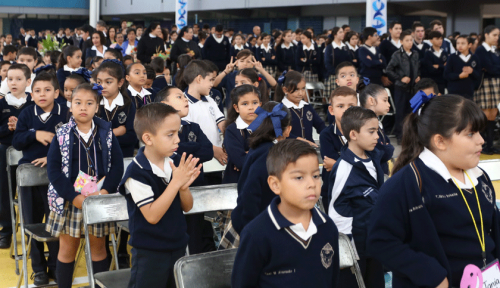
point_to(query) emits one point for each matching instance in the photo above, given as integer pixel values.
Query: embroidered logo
(473, 64)
(225, 43)
(6, 111)
(59, 125)
(487, 192)
(314, 53)
(192, 137)
(309, 115)
(217, 99)
(445, 58)
(122, 117)
(327, 255)
(212, 111)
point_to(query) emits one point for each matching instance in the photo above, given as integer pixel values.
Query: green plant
(51, 44)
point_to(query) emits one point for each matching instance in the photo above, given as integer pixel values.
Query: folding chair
(213, 269)
(13, 157)
(347, 258)
(318, 87)
(103, 209)
(29, 175)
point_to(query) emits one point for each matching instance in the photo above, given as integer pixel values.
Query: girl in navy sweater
(308, 58)
(285, 52)
(351, 40)
(92, 164)
(435, 60)
(136, 77)
(76, 78)
(237, 45)
(437, 213)
(116, 106)
(488, 94)
(246, 99)
(336, 52)
(69, 61)
(267, 55)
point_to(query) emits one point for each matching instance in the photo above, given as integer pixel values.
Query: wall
(48, 3)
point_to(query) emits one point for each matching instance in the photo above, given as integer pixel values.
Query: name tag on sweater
(491, 275)
(488, 277)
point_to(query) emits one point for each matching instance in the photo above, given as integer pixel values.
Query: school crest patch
(309, 116)
(217, 99)
(487, 192)
(122, 117)
(473, 64)
(314, 53)
(327, 255)
(192, 137)
(444, 58)
(225, 43)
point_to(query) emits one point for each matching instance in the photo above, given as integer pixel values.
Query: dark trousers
(402, 98)
(5, 220)
(153, 268)
(201, 234)
(371, 270)
(35, 208)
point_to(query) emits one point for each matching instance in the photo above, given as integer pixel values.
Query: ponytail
(411, 145)
(290, 80)
(183, 60)
(68, 51)
(266, 130)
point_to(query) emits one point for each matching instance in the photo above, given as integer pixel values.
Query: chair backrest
(315, 86)
(104, 208)
(208, 270)
(13, 156)
(213, 198)
(492, 168)
(346, 254)
(126, 162)
(29, 175)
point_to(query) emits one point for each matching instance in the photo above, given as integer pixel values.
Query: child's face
(109, 84)
(296, 96)
(245, 62)
(69, 86)
(137, 76)
(437, 42)
(46, 58)
(76, 60)
(238, 40)
(253, 41)
(348, 77)
(139, 32)
(396, 31)
(3, 71)
(95, 65)
(407, 42)
(266, 40)
(463, 46)
(206, 84)
(127, 62)
(288, 38)
(382, 104)
(8, 39)
(166, 139)
(246, 107)
(27, 60)
(11, 56)
(17, 82)
(241, 80)
(354, 41)
(340, 104)
(149, 84)
(177, 100)
(304, 40)
(84, 106)
(298, 37)
(367, 136)
(44, 95)
(300, 185)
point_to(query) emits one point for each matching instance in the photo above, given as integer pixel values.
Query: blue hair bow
(419, 100)
(113, 61)
(281, 79)
(276, 116)
(98, 88)
(118, 48)
(86, 74)
(366, 81)
(44, 68)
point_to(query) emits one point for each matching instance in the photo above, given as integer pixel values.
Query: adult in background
(184, 44)
(131, 43)
(256, 31)
(22, 36)
(217, 48)
(150, 43)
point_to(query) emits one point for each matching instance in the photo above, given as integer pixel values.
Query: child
(371, 62)
(419, 44)
(428, 86)
(150, 77)
(127, 60)
(116, 106)
(435, 60)
(269, 244)
(267, 55)
(217, 48)
(157, 193)
(249, 76)
(102, 163)
(158, 64)
(136, 76)
(463, 70)
(351, 40)
(404, 69)
(34, 132)
(375, 98)
(285, 52)
(393, 42)
(336, 52)
(26, 56)
(10, 108)
(246, 99)
(69, 61)
(9, 53)
(4, 67)
(353, 190)
(237, 46)
(420, 220)
(76, 78)
(114, 53)
(178, 80)
(331, 138)
(308, 58)
(95, 62)
(214, 92)
(292, 88)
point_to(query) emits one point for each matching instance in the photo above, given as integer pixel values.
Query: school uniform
(120, 114)
(421, 48)
(217, 50)
(285, 57)
(372, 68)
(236, 145)
(388, 47)
(488, 94)
(4, 88)
(309, 68)
(229, 82)
(235, 49)
(267, 54)
(384, 145)
(304, 119)
(446, 46)
(159, 83)
(464, 87)
(353, 190)
(218, 98)
(62, 74)
(424, 225)
(431, 58)
(274, 252)
(139, 99)
(252, 48)
(35, 201)
(334, 55)
(155, 248)
(92, 52)
(32, 42)
(354, 54)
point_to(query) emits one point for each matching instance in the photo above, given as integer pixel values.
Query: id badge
(487, 277)
(491, 274)
(85, 184)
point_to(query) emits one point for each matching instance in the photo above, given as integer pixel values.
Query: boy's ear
(330, 109)
(57, 93)
(274, 184)
(353, 135)
(28, 82)
(146, 138)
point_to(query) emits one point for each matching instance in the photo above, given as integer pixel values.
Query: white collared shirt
(310, 48)
(152, 36)
(86, 136)
(488, 47)
(67, 68)
(302, 233)
(267, 49)
(201, 45)
(219, 40)
(419, 46)
(240, 124)
(437, 53)
(372, 49)
(295, 42)
(408, 53)
(369, 166)
(166, 173)
(185, 40)
(289, 104)
(352, 48)
(118, 101)
(397, 44)
(44, 116)
(97, 52)
(241, 47)
(283, 46)
(141, 94)
(335, 45)
(13, 101)
(68, 104)
(464, 58)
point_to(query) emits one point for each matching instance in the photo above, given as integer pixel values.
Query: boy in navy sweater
(27, 56)
(291, 243)
(217, 48)
(157, 193)
(35, 130)
(435, 60)
(371, 62)
(353, 188)
(10, 108)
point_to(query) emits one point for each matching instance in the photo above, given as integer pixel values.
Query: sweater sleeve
(386, 147)
(449, 70)
(233, 141)
(249, 262)
(116, 172)
(370, 63)
(23, 135)
(202, 148)
(318, 123)
(327, 147)
(57, 178)
(486, 63)
(476, 71)
(328, 58)
(4, 129)
(129, 137)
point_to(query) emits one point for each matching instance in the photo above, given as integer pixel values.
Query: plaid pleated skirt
(310, 77)
(230, 239)
(330, 85)
(71, 223)
(271, 70)
(488, 95)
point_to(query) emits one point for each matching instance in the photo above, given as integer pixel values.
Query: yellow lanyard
(480, 236)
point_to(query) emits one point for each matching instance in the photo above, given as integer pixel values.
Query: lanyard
(481, 237)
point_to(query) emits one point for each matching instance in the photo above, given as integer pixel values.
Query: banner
(181, 13)
(376, 15)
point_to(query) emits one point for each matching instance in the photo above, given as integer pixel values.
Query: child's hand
(467, 69)
(78, 201)
(328, 163)
(418, 79)
(307, 141)
(119, 131)
(220, 155)
(369, 58)
(230, 66)
(273, 57)
(463, 75)
(303, 59)
(444, 284)
(236, 169)
(385, 81)
(436, 66)
(183, 174)
(44, 137)
(406, 79)
(12, 123)
(40, 162)
(256, 64)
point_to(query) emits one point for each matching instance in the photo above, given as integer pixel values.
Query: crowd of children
(81, 122)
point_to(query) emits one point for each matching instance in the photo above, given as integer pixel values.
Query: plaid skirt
(330, 85)
(488, 95)
(310, 77)
(271, 70)
(71, 223)
(230, 239)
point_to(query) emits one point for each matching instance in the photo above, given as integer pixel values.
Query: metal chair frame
(13, 157)
(348, 258)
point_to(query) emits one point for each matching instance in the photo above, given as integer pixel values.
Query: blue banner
(181, 13)
(376, 15)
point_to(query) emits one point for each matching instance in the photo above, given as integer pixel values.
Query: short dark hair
(284, 153)
(298, 30)
(150, 116)
(368, 31)
(343, 65)
(150, 72)
(26, 71)
(5, 63)
(345, 26)
(9, 49)
(49, 76)
(343, 91)
(416, 25)
(202, 35)
(158, 64)
(163, 94)
(131, 30)
(28, 51)
(434, 23)
(219, 28)
(435, 34)
(470, 40)
(425, 83)
(394, 23)
(195, 68)
(354, 118)
(206, 26)
(212, 66)
(244, 54)
(405, 33)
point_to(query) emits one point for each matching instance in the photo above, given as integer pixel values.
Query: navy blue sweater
(384, 145)
(313, 59)
(122, 116)
(428, 71)
(490, 62)
(387, 49)
(271, 255)
(159, 83)
(371, 68)
(286, 57)
(61, 78)
(234, 51)
(138, 102)
(421, 52)
(236, 146)
(304, 120)
(170, 232)
(334, 57)
(29, 121)
(425, 235)
(267, 56)
(64, 185)
(7, 111)
(452, 71)
(254, 194)
(217, 52)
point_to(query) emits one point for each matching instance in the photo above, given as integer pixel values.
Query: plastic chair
(212, 269)
(318, 87)
(13, 157)
(103, 209)
(347, 258)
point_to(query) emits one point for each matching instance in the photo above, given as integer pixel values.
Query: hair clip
(418, 101)
(281, 79)
(259, 79)
(98, 88)
(86, 74)
(366, 81)
(276, 116)
(44, 68)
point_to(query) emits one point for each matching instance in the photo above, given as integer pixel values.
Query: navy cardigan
(371, 68)
(334, 57)
(304, 120)
(236, 146)
(313, 59)
(7, 111)
(122, 116)
(452, 71)
(490, 62)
